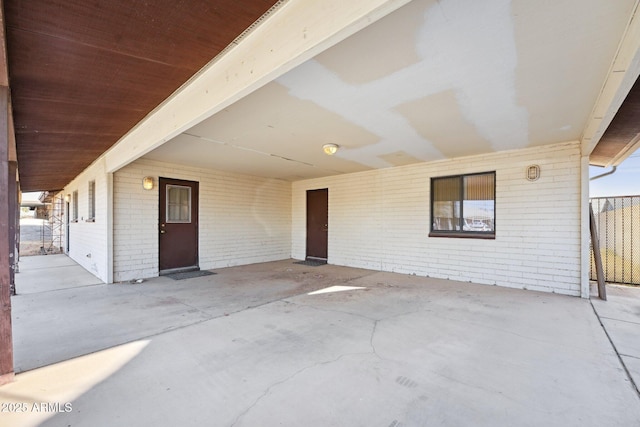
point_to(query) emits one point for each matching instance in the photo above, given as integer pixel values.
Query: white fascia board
(295, 32)
(622, 75)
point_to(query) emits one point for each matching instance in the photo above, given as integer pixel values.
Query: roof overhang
(446, 79)
(83, 73)
(611, 134)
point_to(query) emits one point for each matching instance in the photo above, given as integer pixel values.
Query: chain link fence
(618, 226)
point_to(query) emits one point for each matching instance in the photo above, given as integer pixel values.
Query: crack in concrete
(506, 331)
(371, 338)
(287, 379)
(314, 365)
(490, 390)
(329, 310)
(374, 329)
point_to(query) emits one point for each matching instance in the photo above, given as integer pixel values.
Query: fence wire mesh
(618, 226)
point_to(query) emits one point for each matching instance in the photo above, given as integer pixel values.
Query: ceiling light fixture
(330, 149)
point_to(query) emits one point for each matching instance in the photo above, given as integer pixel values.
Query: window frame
(92, 202)
(74, 208)
(168, 204)
(462, 233)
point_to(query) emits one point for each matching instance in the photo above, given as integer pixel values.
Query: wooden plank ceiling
(84, 72)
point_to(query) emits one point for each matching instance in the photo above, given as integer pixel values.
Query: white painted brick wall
(380, 220)
(88, 244)
(243, 219)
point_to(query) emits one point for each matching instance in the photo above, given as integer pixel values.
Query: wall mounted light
(330, 149)
(533, 172)
(67, 198)
(147, 183)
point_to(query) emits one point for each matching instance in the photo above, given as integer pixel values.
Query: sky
(624, 182)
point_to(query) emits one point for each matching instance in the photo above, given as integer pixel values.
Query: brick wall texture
(378, 220)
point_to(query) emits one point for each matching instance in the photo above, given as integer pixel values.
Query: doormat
(311, 263)
(190, 274)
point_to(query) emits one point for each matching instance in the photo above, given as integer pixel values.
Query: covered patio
(282, 343)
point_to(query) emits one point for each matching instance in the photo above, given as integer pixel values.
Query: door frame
(195, 209)
(308, 237)
(66, 225)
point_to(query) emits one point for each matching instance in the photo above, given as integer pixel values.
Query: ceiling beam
(293, 33)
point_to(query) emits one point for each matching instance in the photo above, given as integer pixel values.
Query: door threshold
(179, 270)
(315, 258)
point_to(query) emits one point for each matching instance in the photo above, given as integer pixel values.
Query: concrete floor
(251, 346)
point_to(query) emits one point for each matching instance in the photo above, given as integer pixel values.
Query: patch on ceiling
(470, 48)
(285, 122)
(392, 38)
(567, 65)
(399, 158)
(438, 119)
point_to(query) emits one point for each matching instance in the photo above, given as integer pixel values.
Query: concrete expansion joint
(620, 320)
(624, 366)
(60, 289)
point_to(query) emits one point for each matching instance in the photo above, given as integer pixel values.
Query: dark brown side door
(317, 223)
(178, 225)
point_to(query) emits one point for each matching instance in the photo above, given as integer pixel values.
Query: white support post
(585, 233)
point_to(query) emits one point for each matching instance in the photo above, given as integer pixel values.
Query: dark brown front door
(317, 223)
(178, 225)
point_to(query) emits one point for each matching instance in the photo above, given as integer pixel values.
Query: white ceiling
(433, 80)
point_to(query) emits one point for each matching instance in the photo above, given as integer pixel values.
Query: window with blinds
(92, 201)
(74, 218)
(464, 205)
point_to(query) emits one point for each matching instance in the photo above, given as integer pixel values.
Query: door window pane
(178, 204)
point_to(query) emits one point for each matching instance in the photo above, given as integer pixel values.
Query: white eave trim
(293, 33)
(622, 75)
